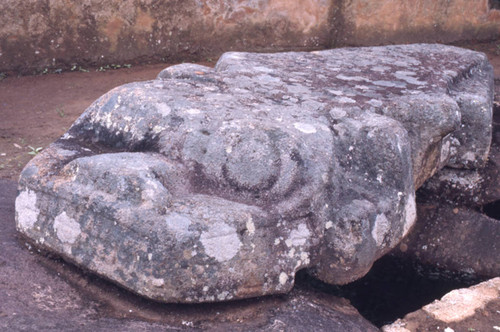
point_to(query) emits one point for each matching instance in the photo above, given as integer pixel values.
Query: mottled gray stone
(470, 187)
(217, 184)
(40, 293)
(461, 240)
(452, 232)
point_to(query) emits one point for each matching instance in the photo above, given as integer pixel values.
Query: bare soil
(36, 110)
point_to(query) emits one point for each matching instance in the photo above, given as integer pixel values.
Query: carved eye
(246, 158)
(252, 163)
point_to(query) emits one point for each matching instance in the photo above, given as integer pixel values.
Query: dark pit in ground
(394, 287)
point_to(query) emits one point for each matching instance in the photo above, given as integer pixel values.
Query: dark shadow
(393, 288)
(492, 210)
(494, 4)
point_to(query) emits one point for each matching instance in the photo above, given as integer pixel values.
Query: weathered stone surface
(472, 188)
(53, 35)
(451, 231)
(38, 293)
(49, 36)
(400, 21)
(469, 309)
(457, 239)
(217, 184)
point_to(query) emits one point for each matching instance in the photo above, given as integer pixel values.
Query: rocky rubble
(468, 309)
(218, 184)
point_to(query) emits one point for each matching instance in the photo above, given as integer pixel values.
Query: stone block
(213, 184)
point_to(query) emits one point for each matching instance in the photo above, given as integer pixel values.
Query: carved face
(215, 184)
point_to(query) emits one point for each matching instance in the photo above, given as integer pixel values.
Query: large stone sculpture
(217, 184)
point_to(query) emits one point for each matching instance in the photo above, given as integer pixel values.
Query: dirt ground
(36, 110)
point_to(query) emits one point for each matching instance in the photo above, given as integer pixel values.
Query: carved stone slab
(218, 184)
